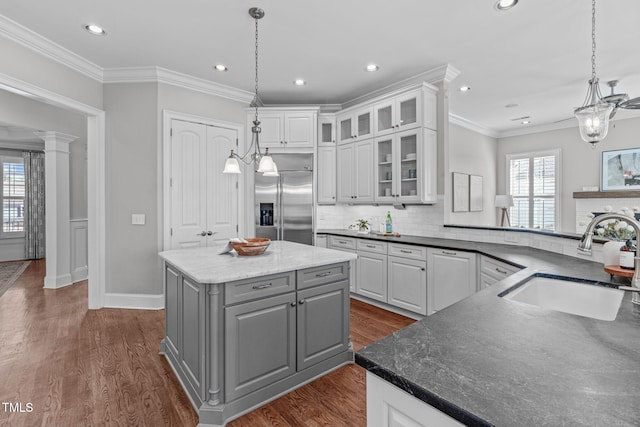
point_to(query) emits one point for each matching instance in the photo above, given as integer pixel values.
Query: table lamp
(504, 202)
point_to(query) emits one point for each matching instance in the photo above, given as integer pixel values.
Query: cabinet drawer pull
(501, 271)
(266, 285)
(371, 246)
(342, 242)
(404, 251)
(449, 253)
(323, 274)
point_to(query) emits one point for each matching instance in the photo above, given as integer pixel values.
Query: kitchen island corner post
(216, 335)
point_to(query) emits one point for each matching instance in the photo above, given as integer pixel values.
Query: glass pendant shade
(274, 172)
(231, 165)
(593, 121)
(266, 165)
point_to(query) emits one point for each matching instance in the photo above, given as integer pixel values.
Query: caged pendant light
(593, 117)
(265, 163)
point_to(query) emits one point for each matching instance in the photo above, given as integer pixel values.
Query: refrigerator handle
(280, 210)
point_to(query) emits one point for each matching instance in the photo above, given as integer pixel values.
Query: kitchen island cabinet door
(323, 322)
(259, 344)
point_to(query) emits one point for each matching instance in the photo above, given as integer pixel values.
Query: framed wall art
(460, 192)
(475, 193)
(621, 169)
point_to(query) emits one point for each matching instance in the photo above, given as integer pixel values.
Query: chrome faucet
(586, 241)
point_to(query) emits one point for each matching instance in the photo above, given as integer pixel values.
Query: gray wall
(132, 264)
(580, 162)
(475, 154)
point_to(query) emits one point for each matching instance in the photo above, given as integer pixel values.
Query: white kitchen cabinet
(285, 129)
(326, 130)
(355, 125)
(371, 279)
(492, 271)
(412, 109)
(321, 240)
(407, 284)
(355, 172)
(346, 244)
(326, 175)
(451, 277)
(389, 406)
(406, 167)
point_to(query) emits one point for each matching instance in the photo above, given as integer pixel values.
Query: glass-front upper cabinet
(384, 155)
(326, 130)
(398, 113)
(355, 125)
(408, 165)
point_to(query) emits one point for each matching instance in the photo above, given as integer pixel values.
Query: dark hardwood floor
(64, 365)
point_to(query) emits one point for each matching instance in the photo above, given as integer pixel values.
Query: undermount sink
(583, 299)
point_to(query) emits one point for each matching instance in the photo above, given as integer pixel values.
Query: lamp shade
(231, 165)
(266, 165)
(274, 172)
(504, 201)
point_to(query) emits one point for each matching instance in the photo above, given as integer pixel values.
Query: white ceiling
(536, 55)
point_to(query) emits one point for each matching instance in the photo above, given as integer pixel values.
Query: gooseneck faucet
(586, 241)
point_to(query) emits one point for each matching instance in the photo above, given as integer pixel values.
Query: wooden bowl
(254, 246)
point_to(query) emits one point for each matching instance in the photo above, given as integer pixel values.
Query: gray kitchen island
(241, 331)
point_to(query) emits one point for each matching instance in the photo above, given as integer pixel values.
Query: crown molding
(22, 145)
(472, 126)
(34, 41)
(163, 75)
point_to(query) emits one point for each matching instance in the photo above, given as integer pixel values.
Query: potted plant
(363, 226)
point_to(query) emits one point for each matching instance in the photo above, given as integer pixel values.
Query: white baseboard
(57, 282)
(79, 274)
(134, 301)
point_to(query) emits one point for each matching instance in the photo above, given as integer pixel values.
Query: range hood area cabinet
(285, 128)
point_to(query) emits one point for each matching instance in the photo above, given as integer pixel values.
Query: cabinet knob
(423, 269)
(286, 142)
(202, 233)
(293, 304)
(281, 142)
(301, 302)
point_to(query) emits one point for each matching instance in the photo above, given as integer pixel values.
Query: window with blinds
(13, 192)
(533, 185)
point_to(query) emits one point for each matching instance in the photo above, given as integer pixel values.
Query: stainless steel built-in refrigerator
(284, 204)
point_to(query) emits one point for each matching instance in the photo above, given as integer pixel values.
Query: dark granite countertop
(489, 361)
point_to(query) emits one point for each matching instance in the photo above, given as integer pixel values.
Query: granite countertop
(489, 361)
(207, 265)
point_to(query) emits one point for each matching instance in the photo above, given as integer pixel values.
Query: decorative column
(58, 210)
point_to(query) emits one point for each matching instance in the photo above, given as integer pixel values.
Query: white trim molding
(134, 301)
(472, 126)
(163, 75)
(34, 41)
(79, 251)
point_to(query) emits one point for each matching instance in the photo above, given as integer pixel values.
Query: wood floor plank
(82, 367)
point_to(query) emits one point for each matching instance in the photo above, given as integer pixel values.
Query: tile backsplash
(428, 221)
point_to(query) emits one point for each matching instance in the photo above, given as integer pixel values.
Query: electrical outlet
(138, 219)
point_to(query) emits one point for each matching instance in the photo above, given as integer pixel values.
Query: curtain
(34, 213)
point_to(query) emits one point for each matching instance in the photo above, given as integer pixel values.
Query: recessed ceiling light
(465, 88)
(506, 4)
(299, 82)
(525, 122)
(221, 67)
(95, 29)
(372, 68)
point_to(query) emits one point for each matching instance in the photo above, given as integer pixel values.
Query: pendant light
(265, 163)
(593, 116)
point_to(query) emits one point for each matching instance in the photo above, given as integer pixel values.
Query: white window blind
(533, 185)
(13, 192)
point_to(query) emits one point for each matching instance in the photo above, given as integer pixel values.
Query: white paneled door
(204, 201)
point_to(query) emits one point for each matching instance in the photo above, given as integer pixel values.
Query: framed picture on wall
(475, 193)
(621, 169)
(460, 192)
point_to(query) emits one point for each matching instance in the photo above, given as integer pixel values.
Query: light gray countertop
(488, 361)
(207, 265)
